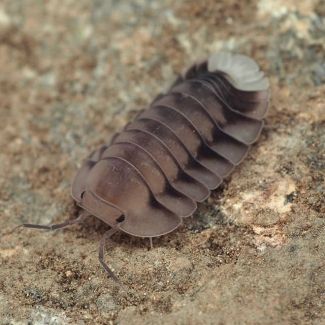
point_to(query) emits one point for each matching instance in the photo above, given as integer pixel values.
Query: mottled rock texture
(74, 72)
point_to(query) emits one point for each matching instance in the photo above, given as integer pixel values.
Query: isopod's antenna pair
(82, 216)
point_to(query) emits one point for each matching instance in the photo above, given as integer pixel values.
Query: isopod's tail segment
(242, 71)
(237, 78)
(247, 87)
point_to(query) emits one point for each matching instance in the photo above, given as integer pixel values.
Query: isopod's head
(89, 201)
(113, 191)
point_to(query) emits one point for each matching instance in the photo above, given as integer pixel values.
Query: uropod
(152, 174)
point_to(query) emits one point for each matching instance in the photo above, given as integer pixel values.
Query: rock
(74, 74)
(105, 303)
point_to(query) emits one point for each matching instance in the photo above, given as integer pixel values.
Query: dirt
(74, 73)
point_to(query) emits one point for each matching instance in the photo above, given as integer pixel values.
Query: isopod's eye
(120, 218)
(82, 195)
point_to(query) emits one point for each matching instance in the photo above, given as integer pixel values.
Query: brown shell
(174, 153)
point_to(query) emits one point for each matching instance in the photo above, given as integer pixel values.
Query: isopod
(153, 173)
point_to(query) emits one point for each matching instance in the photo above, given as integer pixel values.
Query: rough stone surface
(74, 73)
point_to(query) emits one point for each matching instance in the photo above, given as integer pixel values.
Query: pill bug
(152, 174)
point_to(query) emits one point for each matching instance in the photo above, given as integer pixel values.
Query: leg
(107, 235)
(151, 245)
(82, 216)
